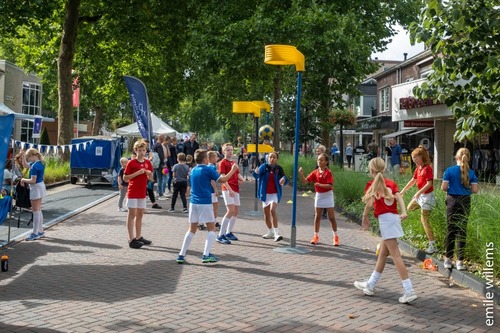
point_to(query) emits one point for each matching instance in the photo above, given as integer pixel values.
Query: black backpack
(22, 196)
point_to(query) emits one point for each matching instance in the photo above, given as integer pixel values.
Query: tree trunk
(97, 123)
(64, 67)
(276, 108)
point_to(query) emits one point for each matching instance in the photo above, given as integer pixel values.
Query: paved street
(83, 277)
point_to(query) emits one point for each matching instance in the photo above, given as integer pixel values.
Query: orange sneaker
(315, 240)
(336, 241)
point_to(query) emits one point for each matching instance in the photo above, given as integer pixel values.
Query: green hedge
(483, 226)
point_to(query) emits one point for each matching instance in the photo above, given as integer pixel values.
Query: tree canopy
(198, 57)
(464, 36)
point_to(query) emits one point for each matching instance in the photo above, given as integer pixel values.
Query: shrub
(55, 170)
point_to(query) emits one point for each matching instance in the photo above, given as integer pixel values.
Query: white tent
(159, 127)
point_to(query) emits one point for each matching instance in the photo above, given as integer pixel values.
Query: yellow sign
(262, 148)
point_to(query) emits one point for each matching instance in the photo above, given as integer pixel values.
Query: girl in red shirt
(424, 198)
(322, 178)
(383, 196)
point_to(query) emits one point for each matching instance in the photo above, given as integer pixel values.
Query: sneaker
(161, 197)
(156, 206)
(135, 244)
(217, 226)
(145, 241)
(431, 249)
(269, 235)
(447, 263)
(363, 285)
(278, 238)
(201, 227)
(336, 241)
(408, 297)
(231, 237)
(185, 210)
(171, 210)
(315, 240)
(122, 210)
(180, 259)
(460, 265)
(41, 234)
(223, 240)
(32, 237)
(208, 259)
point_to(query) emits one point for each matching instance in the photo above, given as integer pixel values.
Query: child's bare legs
(131, 217)
(317, 219)
(331, 216)
(267, 217)
(138, 222)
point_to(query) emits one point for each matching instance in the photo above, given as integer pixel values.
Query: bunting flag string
(50, 149)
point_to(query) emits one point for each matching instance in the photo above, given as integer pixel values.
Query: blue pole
(296, 161)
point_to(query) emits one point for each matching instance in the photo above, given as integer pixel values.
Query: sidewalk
(84, 278)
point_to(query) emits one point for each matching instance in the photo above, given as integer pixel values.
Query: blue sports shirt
(453, 177)
(37, 169)
(201, 189)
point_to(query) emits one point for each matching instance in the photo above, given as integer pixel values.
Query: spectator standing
(180, 173)
(348, 154)
(122, 184)
(191, 146)
(396, 157)
(158, 171)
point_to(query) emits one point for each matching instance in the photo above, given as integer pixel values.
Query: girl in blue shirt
(34, 160)
(459, 182)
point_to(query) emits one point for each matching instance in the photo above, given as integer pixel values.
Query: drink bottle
(5, 263)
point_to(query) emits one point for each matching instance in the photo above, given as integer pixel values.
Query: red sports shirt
(423, 174)
(325, 177)
(224, 168)
(380, 206)
(137, 185)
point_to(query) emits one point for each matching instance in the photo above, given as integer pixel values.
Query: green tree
(464, 37)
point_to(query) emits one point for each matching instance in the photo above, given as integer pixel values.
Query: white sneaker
(460, 265)
(431, 248)
(363, 285)
(269, 235)
(122, 209)
(162, 197)
(408, 297)
(447, 263)
(278, 238)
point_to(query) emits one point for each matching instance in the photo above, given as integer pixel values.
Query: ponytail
(33, 151)
(463, 158)
(378, 189)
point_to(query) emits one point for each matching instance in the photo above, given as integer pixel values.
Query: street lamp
(289, 55)
(254, 107)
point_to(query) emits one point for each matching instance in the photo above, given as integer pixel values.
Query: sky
(399, 45)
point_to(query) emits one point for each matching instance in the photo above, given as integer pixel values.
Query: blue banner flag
(139, 99)
(37, 127)
(6, 124)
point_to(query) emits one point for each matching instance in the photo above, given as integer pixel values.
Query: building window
(384, 99)
(32, 105)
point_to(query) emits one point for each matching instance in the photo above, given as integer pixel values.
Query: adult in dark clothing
(158, 148)
(191, 146)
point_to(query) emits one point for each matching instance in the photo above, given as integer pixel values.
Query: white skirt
(37, 191)
(390, 226)
(270, 198)
(324, 200)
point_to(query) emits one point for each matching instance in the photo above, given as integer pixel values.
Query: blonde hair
(123, 159)
(421, 151)
(33, 151)
(181, 157)
(321, 148)
(212, 154)
(463, 157)
(378, 188)
(140, 144)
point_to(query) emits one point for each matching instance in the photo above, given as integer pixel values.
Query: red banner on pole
(76, 92)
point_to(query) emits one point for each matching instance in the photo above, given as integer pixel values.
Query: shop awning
(421, 131)
(395, 134)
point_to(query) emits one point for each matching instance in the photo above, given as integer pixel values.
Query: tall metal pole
(296, 161)
(256, 119)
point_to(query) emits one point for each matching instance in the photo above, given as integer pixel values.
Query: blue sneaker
(231, 237)
(208, 259)
(32, 237)
(180, 259)
(223, 240)
(41, 234)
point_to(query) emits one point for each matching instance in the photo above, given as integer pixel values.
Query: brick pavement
(84, 278)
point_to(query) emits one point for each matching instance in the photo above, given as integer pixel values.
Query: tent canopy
(159, 127)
